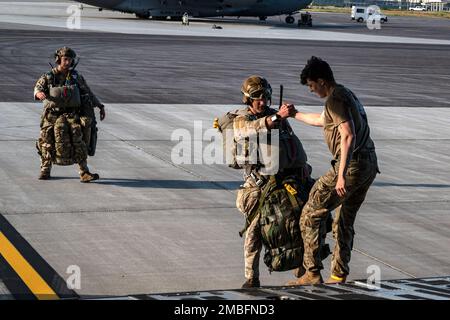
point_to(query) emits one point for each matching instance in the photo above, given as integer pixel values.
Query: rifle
(281, 96)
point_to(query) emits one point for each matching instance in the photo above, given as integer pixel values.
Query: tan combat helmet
(255, 87)
(65, 52)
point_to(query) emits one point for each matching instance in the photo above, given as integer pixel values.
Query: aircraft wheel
(143, 15)
(290, 20)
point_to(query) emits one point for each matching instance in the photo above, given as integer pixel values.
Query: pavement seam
(379, 260)
(125, 211)
(171, 163)
(384, 263)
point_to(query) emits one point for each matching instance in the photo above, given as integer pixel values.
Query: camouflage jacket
(289, 148)
(55, 78)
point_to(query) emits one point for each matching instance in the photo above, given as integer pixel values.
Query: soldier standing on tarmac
(345, 185)
(293, 172)
(68, 113)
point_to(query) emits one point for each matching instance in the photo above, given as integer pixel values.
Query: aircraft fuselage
(202, 8)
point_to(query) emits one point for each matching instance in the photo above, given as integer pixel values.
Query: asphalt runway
(151, 225)
(202, 70)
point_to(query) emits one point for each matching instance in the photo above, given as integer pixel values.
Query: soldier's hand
(292, 111)
(102, 113)
(340, 187)
(286, 110)
(41, 96)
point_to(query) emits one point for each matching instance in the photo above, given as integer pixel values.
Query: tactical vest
(63, 97)
(291, 152)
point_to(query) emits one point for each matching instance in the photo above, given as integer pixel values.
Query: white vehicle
(360, 14)
(418, 8)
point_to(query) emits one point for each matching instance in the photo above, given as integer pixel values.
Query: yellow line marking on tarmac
(26, 272)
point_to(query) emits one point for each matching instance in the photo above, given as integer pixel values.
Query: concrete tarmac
(152, 225)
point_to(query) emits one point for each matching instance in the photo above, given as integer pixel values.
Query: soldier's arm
(347, 132)
(313, 119)
(41, 86)
(244, 127)
(281, 115)
(84, 89)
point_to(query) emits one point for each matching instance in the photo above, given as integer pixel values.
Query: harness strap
(249, 219)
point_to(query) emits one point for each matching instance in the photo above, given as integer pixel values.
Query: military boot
(44, 175)
(299, 272)
(251, 283)
(308, 278)
(88, 177)
(336, 279)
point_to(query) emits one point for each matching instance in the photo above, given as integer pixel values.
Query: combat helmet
(255, 87)
(64, 52)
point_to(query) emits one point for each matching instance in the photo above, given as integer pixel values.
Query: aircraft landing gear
(290, 20)
(145, 15)
(159, 18)
(262, 18)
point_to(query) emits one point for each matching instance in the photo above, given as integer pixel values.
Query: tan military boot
(44, 175)
(88, 177)
(308, 278)
(336, 279)
(251, 283)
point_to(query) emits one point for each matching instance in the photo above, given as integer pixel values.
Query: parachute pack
(225, 124)
(279, 211)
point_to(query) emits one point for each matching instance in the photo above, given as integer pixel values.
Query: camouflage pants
(61, 141)
(323, 198)
(246, 200)
(252, 249)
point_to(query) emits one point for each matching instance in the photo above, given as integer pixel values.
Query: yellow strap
(290, 189)
(337, 278)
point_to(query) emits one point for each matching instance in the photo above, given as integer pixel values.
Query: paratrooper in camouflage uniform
(67, 118)
(255, 118)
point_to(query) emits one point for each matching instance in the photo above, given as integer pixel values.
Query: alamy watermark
(74, 280)
(374, 17)
(236, 147)
(74, 19)
(374, 278)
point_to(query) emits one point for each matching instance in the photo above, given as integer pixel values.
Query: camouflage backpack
(279, 213)
(224, 124)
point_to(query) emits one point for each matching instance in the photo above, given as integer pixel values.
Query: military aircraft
(175, 9)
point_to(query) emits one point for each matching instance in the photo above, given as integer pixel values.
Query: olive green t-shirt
(341, 106)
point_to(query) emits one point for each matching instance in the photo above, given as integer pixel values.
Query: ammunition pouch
(63, 99)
